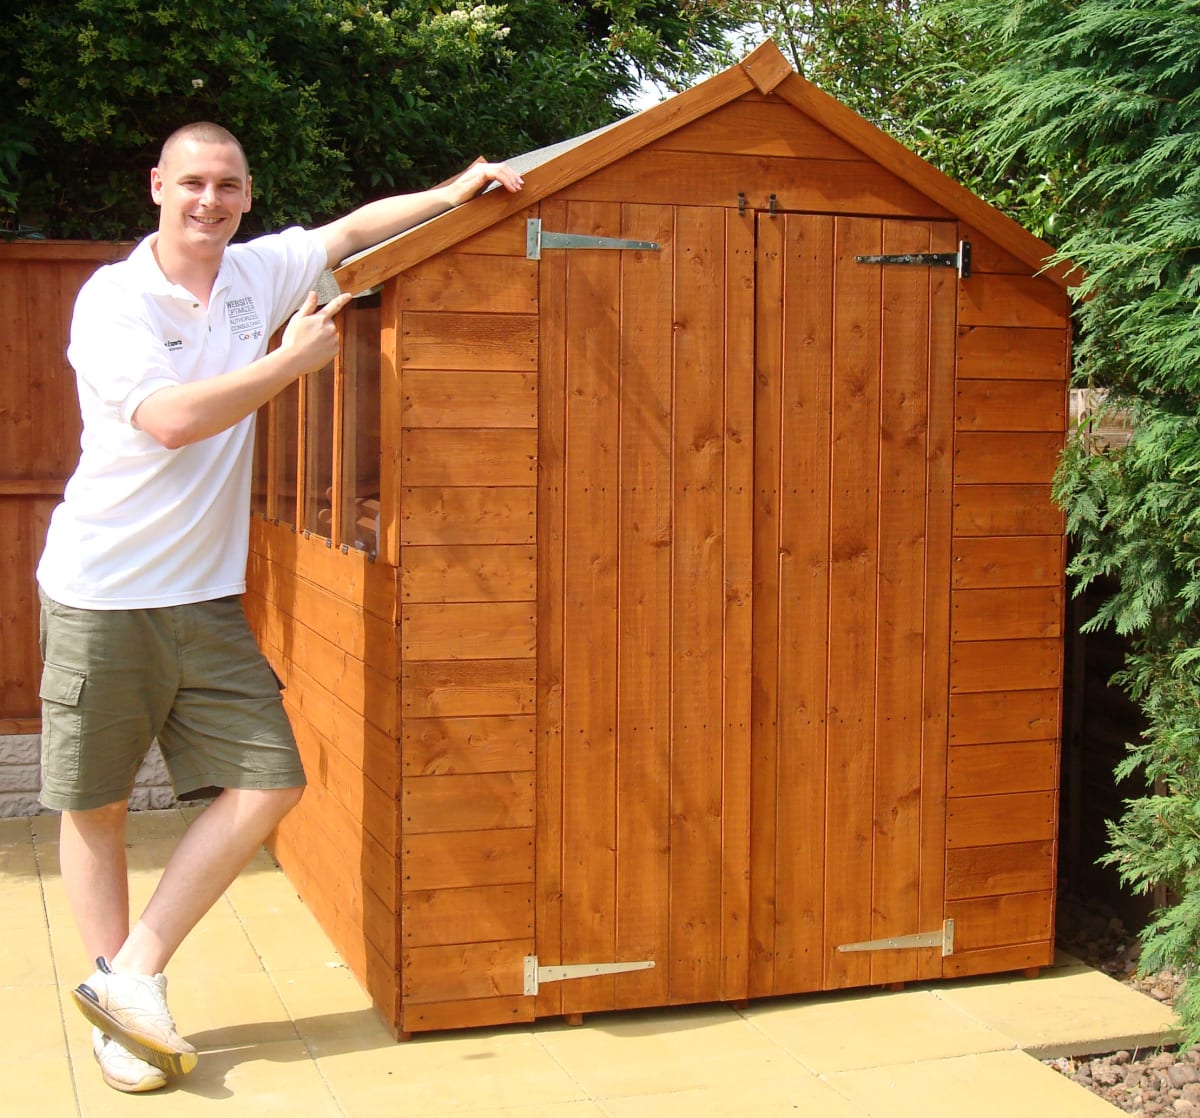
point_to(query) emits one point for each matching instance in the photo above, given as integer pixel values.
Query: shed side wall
(467, 331)
(325, 620)
(1007, 608)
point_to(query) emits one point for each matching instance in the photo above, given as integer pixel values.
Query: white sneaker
(132, 1009)
(121, 1069)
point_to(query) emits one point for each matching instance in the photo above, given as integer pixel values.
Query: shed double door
(744, 531)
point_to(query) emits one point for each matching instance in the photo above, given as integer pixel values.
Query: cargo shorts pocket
(62, 721)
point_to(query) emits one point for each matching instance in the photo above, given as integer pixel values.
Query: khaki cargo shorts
(191, 676)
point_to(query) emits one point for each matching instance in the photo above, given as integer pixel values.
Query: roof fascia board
(926, 178)
(414, 245)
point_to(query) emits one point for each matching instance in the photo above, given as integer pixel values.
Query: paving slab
(987, 1085)
(1068, 1010)
(892, 1028)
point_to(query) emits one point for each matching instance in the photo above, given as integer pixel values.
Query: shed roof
(764, 70)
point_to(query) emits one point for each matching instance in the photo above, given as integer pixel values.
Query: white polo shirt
(141, 525)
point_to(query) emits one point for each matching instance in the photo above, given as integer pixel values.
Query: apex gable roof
(764, 70)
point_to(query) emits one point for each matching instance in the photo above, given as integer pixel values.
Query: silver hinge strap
(536, 240)
(535, 975)
(960, 260)
(943, 938)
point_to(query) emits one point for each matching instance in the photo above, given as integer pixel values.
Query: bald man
(142, 631)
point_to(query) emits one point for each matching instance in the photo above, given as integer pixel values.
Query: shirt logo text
(244, 319)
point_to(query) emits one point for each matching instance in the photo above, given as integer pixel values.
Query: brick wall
(20, 778)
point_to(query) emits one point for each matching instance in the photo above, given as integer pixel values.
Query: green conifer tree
(1112, 90)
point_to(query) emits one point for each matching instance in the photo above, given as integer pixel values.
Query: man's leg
(126, 996)
(91, 850)
(210, 855)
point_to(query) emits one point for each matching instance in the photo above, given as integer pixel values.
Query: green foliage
(1112, 90)
(863, 52)
(12, 150)
(335, 101)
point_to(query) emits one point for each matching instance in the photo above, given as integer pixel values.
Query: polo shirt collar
(152, 281)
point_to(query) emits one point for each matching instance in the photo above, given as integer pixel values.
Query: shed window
(283, 439)
(317, 396)
(360, 425)
(317, 444)
(260, 478)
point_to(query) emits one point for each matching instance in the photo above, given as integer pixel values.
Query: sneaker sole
(148, 1048)
(131, 1088)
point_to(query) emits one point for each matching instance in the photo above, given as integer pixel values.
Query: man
(143, 634)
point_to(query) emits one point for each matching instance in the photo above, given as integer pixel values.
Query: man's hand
(478, 175)
(377, 221)
(313, 331)
(180, 414)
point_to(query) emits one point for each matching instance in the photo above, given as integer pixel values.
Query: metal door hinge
(943, 938)
(960, 260)
(534, 975)
(536, 240)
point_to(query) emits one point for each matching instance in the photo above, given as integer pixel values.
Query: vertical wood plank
(551, 550)
(939, 536)
(769, 379)
(16, 387)
(590, 606)
(49, 305)
(697, 608)
(644, 668)
(802, 558)
(738, 530)
(852, 599)
(895, 885)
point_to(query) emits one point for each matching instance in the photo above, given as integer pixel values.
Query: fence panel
(39, 441)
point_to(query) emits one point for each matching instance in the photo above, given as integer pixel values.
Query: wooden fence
(39, 441)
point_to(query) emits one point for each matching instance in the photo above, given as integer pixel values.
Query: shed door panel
(851, 612)
(746, 409)
(644, 648)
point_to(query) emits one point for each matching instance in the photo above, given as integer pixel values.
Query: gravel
(1151, 1083)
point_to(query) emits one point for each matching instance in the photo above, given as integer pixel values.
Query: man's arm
(187, 413)
(377, 221)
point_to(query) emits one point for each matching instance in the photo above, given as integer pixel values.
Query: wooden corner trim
(766, 66)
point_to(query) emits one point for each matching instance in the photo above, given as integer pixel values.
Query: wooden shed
(666, 582)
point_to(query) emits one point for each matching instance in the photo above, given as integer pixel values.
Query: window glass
(260, 480)
(308, 404)
(285, 440)
(361, 433)
(318, 452)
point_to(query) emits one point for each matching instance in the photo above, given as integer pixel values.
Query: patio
(283, 1027)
